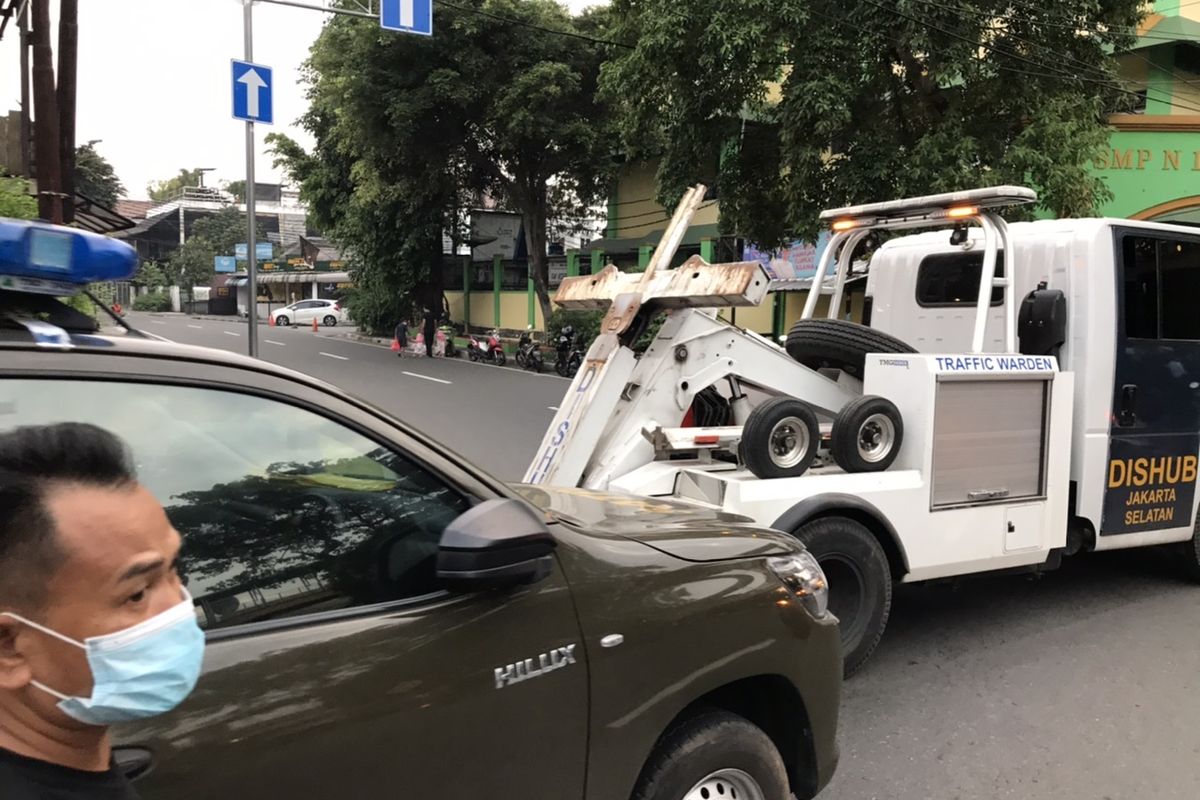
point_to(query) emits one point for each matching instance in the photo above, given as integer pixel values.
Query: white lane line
(424, 377)
(197, 327)
(272, 341)
(331, 355)
(230, 333)
(156, 322)
(552, 408)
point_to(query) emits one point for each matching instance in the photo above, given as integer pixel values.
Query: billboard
(496, 233)
(797, 261)
(225, 263)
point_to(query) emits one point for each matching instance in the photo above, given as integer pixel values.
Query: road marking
(424, 377)
(552, 408)
(197, 327)
(156, 322)
(230, 333)
(331, 355)
(272, 341)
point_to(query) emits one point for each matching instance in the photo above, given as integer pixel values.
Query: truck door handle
(1127, 415)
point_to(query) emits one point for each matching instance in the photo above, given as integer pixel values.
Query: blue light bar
(52, 259)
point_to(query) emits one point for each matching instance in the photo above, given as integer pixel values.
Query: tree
(410, 130)
(166, 189)
(212, 236)
(878, 100)
(15, 200)
(237, 189)
(94, 176)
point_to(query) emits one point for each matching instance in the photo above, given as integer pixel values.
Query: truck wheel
(780, 438)
(839, 344)
(715, 756)
(867, 434)
(860, 583)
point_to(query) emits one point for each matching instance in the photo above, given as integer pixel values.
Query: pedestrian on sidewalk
(430, 333)
(402, 338)
(96, 626)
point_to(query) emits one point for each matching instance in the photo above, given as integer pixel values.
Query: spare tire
(839, 344)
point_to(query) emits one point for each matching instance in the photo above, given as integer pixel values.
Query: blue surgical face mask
(139, 672)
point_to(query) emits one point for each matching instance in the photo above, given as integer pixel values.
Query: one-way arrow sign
(252, 93)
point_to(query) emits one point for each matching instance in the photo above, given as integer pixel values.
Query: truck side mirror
(498, 543)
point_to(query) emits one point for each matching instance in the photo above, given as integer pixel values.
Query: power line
(1053, 53)
(1015, 56)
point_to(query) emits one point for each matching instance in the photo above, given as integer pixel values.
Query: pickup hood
(692, 533)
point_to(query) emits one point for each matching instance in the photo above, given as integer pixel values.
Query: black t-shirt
(24, 778)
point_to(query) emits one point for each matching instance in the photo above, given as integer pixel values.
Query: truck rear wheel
(860, 583)
(715, 756)
(839, 344)
(780, 438)
(867, 434)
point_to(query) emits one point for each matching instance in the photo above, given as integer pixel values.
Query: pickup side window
(952, 279)
(1161, 283)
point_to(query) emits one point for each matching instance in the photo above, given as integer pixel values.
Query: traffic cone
(314, 324)
(270, 320)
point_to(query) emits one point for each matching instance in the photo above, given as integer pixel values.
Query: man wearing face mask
(95, 626)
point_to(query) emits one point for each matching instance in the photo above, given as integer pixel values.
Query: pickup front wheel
(860, 583)
(714, 756)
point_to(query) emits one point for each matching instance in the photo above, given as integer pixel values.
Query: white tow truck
(1016, 394)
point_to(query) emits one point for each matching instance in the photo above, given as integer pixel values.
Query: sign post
(252, 102)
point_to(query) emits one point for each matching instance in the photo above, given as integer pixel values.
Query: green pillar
(707, 250)
(644, 253)
(1160, 83)
(573, 264)
(467, 294)
(497, 272)
(597, 261)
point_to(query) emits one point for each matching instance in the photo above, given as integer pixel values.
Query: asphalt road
(1081, 685)
(492, 415)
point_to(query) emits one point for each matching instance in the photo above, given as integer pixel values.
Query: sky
(154, 81)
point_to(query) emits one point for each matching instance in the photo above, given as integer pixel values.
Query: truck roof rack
(930, 208)
(850, 225)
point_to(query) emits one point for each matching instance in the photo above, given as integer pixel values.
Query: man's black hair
(33, 460)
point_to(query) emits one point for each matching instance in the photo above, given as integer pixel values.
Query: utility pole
(46, 141)
(251, 255)
(26, 102)
(68, 60)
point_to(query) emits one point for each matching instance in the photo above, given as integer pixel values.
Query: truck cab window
(952, 279)
(1161, 279)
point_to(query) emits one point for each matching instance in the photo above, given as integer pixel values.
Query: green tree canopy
(94, 176)
(409, 131)
(794, 106)
(15, 200)
(214, 235)
(166, 189)
(237, 189)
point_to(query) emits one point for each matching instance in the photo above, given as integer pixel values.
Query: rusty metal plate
(590, 291)
(696, 284)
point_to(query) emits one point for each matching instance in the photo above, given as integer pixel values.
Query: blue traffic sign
(224, 263)
(262, 251)
(409, 16)
(252, 93)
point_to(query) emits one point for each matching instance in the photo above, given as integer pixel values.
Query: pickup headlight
(803, 577)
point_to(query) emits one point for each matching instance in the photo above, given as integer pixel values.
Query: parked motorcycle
(451, 348)
(488, 350)
(529, 355)
(570, 353)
